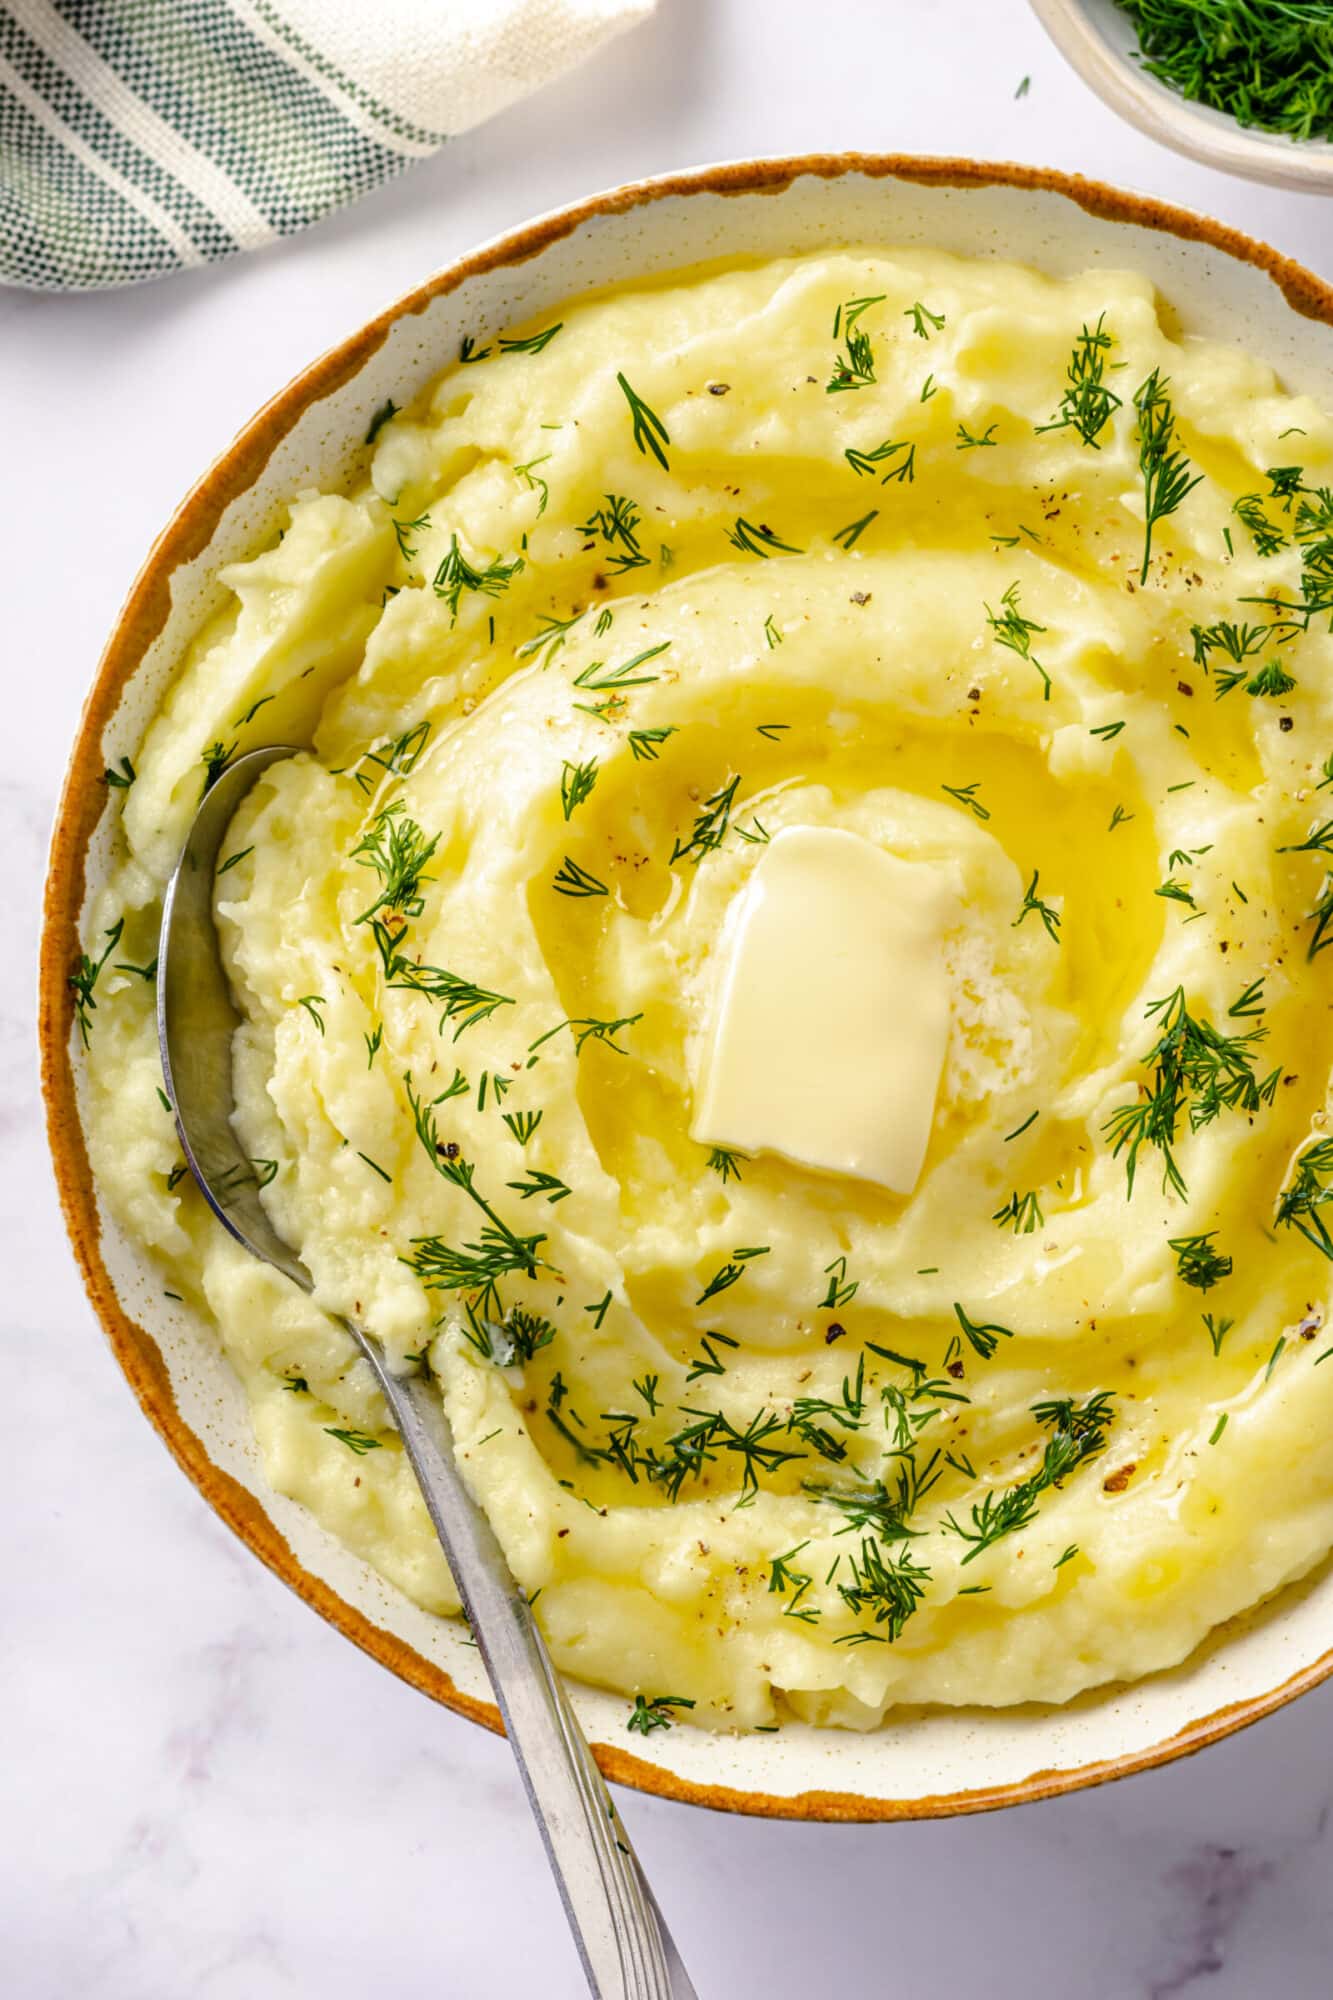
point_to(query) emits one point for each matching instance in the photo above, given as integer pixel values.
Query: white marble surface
(205, 1791)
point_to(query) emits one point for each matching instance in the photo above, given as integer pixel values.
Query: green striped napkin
(145, 136)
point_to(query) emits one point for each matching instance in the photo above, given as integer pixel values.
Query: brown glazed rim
(143, 617)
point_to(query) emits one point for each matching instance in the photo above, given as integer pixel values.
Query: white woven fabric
(139, 137)
(450, 64)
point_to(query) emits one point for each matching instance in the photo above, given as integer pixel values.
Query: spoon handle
(626, 1949)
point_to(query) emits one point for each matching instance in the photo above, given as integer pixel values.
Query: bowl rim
(80, 809)
(1199, 132)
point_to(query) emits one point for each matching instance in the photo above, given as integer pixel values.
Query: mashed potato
(993, 571)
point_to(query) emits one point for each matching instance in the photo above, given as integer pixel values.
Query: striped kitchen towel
(145, 136)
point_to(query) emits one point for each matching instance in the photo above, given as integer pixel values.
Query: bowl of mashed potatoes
(785, 969)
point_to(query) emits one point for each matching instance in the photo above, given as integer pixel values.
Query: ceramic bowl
(1100, 40)
(923, 1763)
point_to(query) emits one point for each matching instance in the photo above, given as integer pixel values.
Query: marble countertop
(206, 1791)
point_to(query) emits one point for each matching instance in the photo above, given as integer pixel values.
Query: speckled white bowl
(1100, 40)
(1218, 283)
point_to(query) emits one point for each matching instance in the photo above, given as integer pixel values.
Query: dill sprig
(645, 744)
(588, 1029)
(617, 525)
(730, 1272)
(710, 825)
(1078, 1432)
(983, 1338)
(548, 639)
(1013, 631)
(397, 757)
(512, 1339)
(1309, 1190)
(654, 1713)
(534, 482)
(650, 433)
(1271, 681)
(759, 541)
(597, 675)
(846, 538)
(522, 1124)
(536, 1182)
(1267, 537)
(1237, 642)
(215, 760)
(887, 1585)
(572, 880)
(811, 1416)
(1023, 1211)
(83, 980)
(966, 795)
(856, 367)
(532, 343)
(841, 1289)
(1319, 840)
(576, 783)
(357, 1442)
(869, 462)
(1198, 1263)
(709, 1361)
(782, 1578)
(456, 574)
(1166, 471)
(403, 530)
(398, 850)
(1217, 1330)
(477, 1266)
(871, 1507)
(1032, 902)
(923, 319)
(698, 1444)
(459, 1000)
(1198, 1069)
(1087, 404)
(1312, 529)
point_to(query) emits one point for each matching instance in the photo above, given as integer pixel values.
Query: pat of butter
(832, 1011)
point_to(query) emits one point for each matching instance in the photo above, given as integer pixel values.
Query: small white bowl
(1099, 39)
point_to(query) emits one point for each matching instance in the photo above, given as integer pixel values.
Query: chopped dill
(456, 574)
(923, 320)
(571, 880)
(710, 825)
(650, 433)
(1165, 470)
(1049, 915)
(856, 366)
(655, 1713)
(1013, 631)
(1198, 1069)
(617, 524)
(759, 541)
(85, 977)
(576, 783)
(1087, 404)
(1198, 1263)
(869, 462)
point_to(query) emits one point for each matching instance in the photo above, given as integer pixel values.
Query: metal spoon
(626, 1949)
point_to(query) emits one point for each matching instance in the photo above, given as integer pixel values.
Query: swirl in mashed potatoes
(1000, 575)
